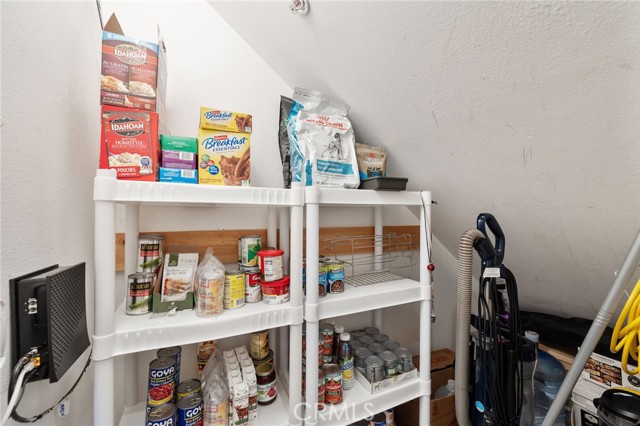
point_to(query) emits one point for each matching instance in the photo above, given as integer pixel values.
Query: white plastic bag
(209, 281)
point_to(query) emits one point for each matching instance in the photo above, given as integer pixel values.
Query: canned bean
(174, 352)
(188, 388)
(190, 411)
(357, 334)
(374, 369)
(390, 363)
(335, 276)
(163, 415)
(249, 247)
(252, 290)
(355, 344)
(233, 289)
(139, 293)
(161, 384)
(333, 383)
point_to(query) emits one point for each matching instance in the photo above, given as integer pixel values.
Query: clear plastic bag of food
(209, 283)
(216, 394)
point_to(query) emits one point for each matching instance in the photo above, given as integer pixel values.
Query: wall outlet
(64, 408)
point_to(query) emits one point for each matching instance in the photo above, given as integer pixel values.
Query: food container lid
(366, 340)
(162, 412)
(356, 344)
(273, 252)
(168, 352)
(162, 363)
(619, 407)
(189, 386)
(330, 262)
(264, 369)
(377, 347)
(391, 345)
(326, 326)
(380, 338)
(250, 236)
(233, 272)
(388, 356)
(142, 276)
(371, 330)
(373, 361)
(250, 269)
(189, 402)
(363, 352)
(403, 352)
(154, 236)
(267, 359)
(279, 283)
(331, 369)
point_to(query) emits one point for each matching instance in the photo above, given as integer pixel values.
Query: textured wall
(527, 110)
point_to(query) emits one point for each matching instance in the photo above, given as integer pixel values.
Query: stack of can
(378, 358)
(330, 276)
(248, 248)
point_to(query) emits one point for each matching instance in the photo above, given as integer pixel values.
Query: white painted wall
(50, 68)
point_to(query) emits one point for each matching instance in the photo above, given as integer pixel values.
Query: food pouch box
(179, 143)
(224, 158)
(133, 71)
(226, 121)
(129, 143)
(178, 159)
(178, 175)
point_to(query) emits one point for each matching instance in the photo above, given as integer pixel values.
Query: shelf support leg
(283, 216)
(377, 252)
(295, 331)
(425, 308)
(131, 231)
(311, 390)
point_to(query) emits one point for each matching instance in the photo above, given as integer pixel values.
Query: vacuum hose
(465, 264)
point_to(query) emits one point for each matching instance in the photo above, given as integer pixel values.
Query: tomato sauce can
(161, 384)
(163, 415)
(188, 388)
(335, 276)
(149, 252)
(333, 383)
(271, 265)
(190, 411)
(139, 293)
(248, 249)
(172, 352)
(321, 389)
(252, 289)
(233, 289)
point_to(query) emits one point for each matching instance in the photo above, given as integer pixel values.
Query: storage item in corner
(129, 143)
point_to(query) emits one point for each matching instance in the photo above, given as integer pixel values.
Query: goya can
(139, 293)
(233, 289)
(252, 289)
(149, 252)
(188, 388)
(163, 415)
(322, 279)
(172, 352)
(250, 245)
(190, 411)
(271, 265)
(161, 385)
(332, 383)
(335, 276)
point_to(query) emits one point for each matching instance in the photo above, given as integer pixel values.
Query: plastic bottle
(446, 390)
(345, 359)
(338, 330)
(529, 359)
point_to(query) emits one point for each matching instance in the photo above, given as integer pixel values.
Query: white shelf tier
(275, 414)
(359, 403)
(145, 332)
(363, 197)
(107, 188)
(369, 297)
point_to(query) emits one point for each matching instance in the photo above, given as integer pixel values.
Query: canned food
(391, 421)
(405, 360)
(139, 293)
(374, 369)
(161, 384)
(304, 275)
(326, 336)
(259, 344)
(390, 363)
(371, 330)
(162, 415)
(360, 355)
(188, 388)
(233, 289)
(379, 419)
(174, 352)
(357, 334)
(335, 276)
(240, 251)
(355, 344)
(391, 345)
(366, 340)
(252, 290)
(322, 279)
(380, 338)
(266, 360)
(271, 265)
(276, 292)
(149, 253)
(321, 389)
(376, 348)
(249, 247)
(190, 411)
(266, 380)
(333, 383)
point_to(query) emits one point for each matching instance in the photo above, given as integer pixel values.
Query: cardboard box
(178, 175)
(178, 160)
(607, 372)
(225, 121)
(179, 143)
(382, 385)
(129, 143)
(133, 72)
(443, 410)
(224, 156)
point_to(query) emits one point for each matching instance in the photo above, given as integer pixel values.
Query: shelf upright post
(377, 252)
(295, 330)
(104, 308)
(283, 332)
(272, 241)
(131, 230)
(312, 199)
(425, 307)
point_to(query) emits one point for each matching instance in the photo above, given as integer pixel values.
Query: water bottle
(529, 359)
(446, 390)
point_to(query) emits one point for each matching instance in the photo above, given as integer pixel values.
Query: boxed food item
(608, 372)
(226, 121)
(178, 175)
(443, 410)
(178, 159)
(129, 143)
(178, 274)
(224, 156)
(133, 72)
(179, 143)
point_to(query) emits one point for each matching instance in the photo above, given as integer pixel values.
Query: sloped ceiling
(527, 110)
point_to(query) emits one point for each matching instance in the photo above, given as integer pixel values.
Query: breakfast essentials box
(133, 72)
(226, 121)
(129, 142)
(224, 156)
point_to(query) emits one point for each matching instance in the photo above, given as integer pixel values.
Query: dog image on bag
(334, 149)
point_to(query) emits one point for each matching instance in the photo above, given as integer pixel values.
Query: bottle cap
(339, 329)
(532, 335)
(345, 336)
(451, 384)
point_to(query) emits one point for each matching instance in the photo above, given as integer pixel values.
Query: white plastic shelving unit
(119, 334)
(358, 401)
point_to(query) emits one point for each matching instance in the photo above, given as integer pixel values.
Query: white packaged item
(177, 278)
(209, 285)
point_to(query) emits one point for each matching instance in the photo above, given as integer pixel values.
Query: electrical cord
(626, 338)
(30, 366)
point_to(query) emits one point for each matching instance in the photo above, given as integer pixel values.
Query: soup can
(233, 289)
(149, 252)
(271, 265)
(139, 293)
(405, 360)
(248, 250)
(322, 279)
(252, 290)
(390, 363)
(333, 383)
(335, 276)
(163, 415)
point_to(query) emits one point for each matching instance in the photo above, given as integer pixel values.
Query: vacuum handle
(494, 227)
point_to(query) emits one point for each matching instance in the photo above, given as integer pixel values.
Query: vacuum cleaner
(489, 345)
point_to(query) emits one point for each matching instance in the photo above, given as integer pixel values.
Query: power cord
(626, 338)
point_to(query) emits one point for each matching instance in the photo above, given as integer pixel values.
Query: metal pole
(425, 307)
